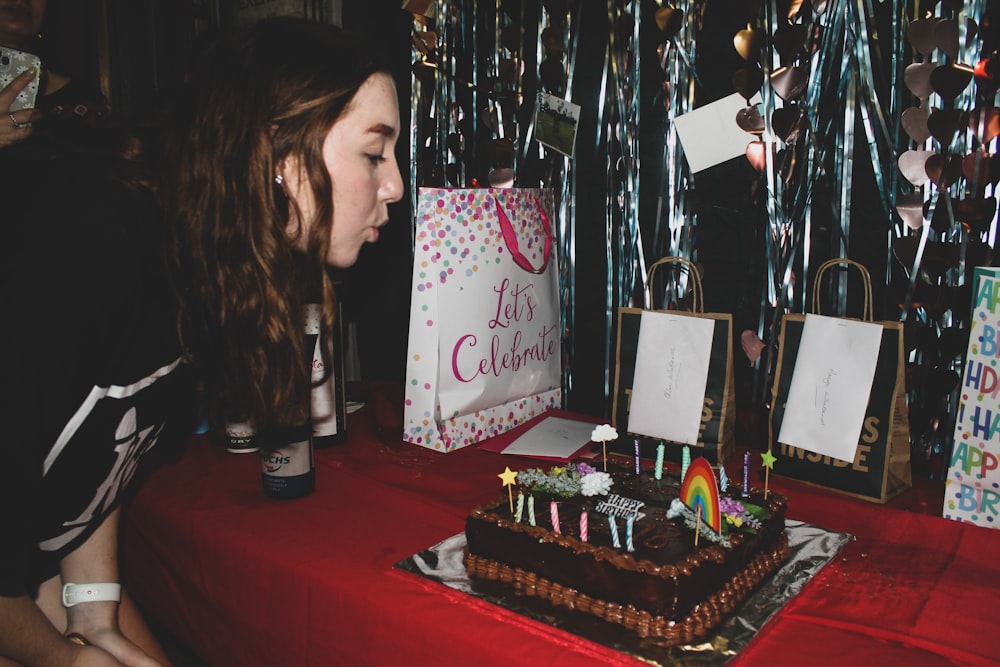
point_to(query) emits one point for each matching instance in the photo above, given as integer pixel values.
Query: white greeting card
(671, 371)
(831, 384)
(552, 438)
(710, 135)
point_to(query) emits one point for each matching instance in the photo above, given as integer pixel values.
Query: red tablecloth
(246, 580)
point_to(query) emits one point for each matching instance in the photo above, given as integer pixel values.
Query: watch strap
(74, 594)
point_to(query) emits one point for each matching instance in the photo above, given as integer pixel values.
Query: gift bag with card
(484, 350)
(838, 415)
(674, 374)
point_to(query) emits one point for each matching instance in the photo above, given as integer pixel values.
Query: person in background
(61, 97)
(93, 390)
(282, 164)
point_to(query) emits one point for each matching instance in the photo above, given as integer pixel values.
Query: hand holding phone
(14, 64)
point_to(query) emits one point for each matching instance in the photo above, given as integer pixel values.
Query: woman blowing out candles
(283, 163)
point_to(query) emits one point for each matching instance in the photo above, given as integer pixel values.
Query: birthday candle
(638, 467)
(520, 507)
(614, 532)
(746, 475)
(658, 471)
(685, 461)
(554, 513)
(723, 479)
(583, 525)
(628, 533)
(531, 510)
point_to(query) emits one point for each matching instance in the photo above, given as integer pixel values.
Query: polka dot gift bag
(484, 347)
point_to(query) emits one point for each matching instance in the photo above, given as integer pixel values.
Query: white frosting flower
(677, 508)
(595, 483)
(603, 433)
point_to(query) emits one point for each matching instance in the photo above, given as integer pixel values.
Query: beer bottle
(286, 461)
(328, 403)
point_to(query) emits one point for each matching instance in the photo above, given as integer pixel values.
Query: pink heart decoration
(945, 35)
(921, 34)
(757, 155)
(911, 209)
(787, 122)
(917, 77)
(943, 171)
(949, 81)
(981, 168)
(789, 82)
(985, 123)
(944, 123)
(911, 165)
(748, 80)
(750, 121)
(914, 122)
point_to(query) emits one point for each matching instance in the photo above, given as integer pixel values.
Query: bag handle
(510, 238)
(694, 287)
(868, 314)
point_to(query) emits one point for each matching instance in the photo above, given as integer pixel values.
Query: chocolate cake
(656, 582)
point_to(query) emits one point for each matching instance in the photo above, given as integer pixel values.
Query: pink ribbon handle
(510, 238)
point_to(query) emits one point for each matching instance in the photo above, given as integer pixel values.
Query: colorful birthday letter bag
(484, 347)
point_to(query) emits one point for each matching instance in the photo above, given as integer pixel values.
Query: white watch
(74, 594)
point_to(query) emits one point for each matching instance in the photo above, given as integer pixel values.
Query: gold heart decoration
(669, 20)
(747, 43)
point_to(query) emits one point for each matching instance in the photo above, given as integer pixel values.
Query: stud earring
(279, 179)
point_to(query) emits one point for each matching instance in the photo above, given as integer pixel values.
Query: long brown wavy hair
(241, 285)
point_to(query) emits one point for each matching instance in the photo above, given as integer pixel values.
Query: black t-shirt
(90, 371)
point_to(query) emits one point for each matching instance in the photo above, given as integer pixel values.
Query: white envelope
(830, 387)
(671, 372)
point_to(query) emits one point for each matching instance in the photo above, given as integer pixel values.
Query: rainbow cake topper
(700, 492)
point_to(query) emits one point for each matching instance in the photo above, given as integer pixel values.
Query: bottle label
(287, 469)
(241, 436)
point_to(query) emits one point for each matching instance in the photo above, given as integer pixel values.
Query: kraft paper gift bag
(880, 468)
(484, 350)
(716, 431)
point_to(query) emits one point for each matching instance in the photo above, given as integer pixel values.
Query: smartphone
(12, 63)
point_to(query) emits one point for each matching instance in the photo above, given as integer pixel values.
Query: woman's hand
(109, 648)
(15, 126)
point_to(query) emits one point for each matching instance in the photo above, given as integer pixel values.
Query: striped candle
(531, 510)
(615, 542)
(658, 471)
(554, 513)
(746, 475)
(638, 466)
(628, 533)
(685, 461)
(584, 521)
(520, 507)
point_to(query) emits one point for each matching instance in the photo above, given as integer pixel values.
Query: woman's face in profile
(359, 154)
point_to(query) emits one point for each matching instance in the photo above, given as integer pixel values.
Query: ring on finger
(18, 125)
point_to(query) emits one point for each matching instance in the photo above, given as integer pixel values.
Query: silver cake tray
(810, 548)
